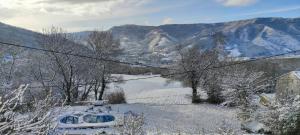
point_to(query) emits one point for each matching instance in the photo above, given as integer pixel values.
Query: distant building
(288, 84)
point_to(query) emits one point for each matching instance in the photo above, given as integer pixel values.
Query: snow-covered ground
(184, 118)
(154, 90)
(167, 107)
(191, 119)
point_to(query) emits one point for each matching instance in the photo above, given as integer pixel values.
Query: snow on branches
(132, 124)
(283, 117)
(14, 121)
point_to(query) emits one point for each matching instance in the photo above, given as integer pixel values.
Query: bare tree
(65, 67)
(194, 65)
(197, 66)
(103, 46)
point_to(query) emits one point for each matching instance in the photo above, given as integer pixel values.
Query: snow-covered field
(185, 118)
(167, 107)
(154, 90)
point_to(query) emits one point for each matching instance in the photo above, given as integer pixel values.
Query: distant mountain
(156, 44)
(12, 34)
(245, 38)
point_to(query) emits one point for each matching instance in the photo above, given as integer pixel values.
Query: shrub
(132, 124)
(117, 97)
(215, 95)
(283, 117)
(214, 99)
(196, 99)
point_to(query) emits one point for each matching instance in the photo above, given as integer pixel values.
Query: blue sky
(78, 15)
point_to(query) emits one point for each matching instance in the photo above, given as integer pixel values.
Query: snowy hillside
(245, 38)
(17, 35)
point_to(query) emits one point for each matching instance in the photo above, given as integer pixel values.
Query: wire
(141, 64)
(83, 56)
(116, 81)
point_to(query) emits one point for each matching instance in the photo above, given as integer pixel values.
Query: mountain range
(157, 44)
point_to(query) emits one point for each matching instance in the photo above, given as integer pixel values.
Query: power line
(237, 63)
(116, 81)
(138, 63)
(144, 65)
(89, 57)
(83, 56)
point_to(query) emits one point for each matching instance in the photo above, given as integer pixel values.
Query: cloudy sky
(78, 15)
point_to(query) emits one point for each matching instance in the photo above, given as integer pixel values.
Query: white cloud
(236, 3)
(73, 1)
(39, 14)
(78, 15)
(167, 20)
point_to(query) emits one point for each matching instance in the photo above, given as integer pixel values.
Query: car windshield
(98, 118)
(69, 120)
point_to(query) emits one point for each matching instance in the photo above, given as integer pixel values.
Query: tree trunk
(83, 97)
(87, 90)
(69, 86)
(68, 98)
(103, 84)
(96, 92)
(102, 89)
(68, 93)
(75, 93)
(194, 83)
(195, 98)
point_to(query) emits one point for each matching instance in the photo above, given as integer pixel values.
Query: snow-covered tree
(214, 87)
(37, 121)
(283, 117)
(65, 67)
(196, 66)
(105, 47)
(242, 86)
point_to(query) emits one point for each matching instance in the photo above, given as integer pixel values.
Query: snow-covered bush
(242, 85)
(214, 93)
(133, 124)
(284, 117)
(37, 121)
(116, 97)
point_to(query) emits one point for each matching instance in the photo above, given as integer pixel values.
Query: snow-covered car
(81, 120)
